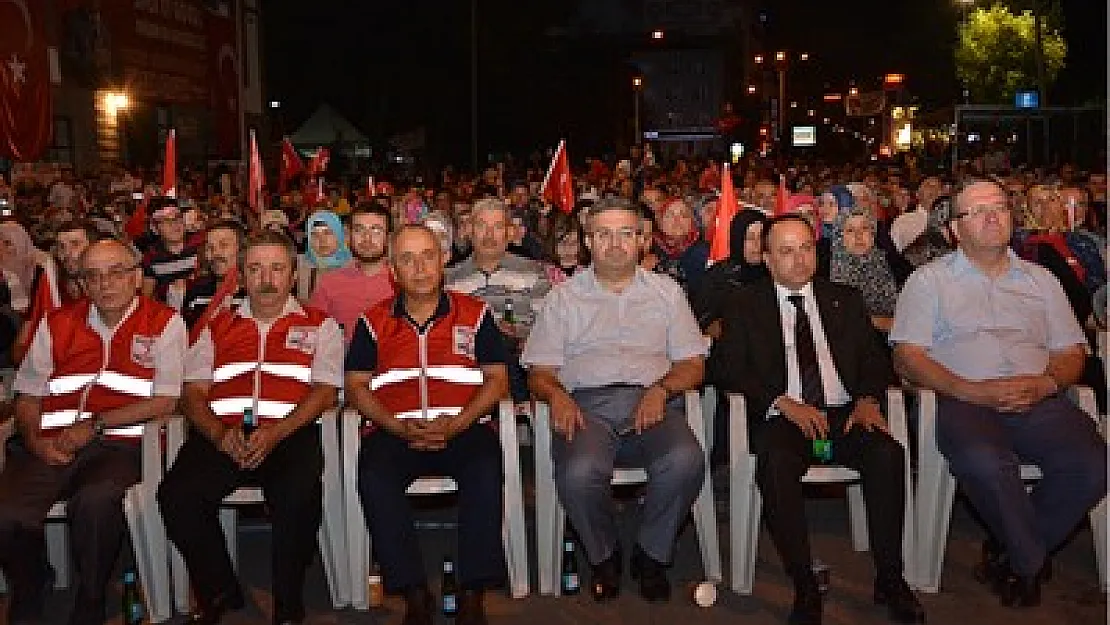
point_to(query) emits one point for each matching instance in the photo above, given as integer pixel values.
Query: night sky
(392, 66)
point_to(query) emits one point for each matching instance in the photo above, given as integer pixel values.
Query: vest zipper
(422, 340)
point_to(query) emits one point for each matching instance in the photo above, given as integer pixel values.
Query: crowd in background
(876, 223)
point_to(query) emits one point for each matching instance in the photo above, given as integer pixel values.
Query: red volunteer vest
(431, 374)
(91, 376)
(271, 375)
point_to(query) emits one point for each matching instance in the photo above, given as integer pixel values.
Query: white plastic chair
(936, 490)
(745, 503)
(550, 518)
(136, 507)
(513, 529)
(330, 535)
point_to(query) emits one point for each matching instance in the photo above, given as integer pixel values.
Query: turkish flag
(722, 223)
(291, 164)
(169, 166)
(557, 187)
(136, 224)
(781, 196)
(227, 287)
(26, 118)
(319, 163)
(257, 178)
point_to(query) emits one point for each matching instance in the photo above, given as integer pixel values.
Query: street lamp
(751, 89)
(275, 104)
(637, 87)
(657, 34)
(759, 59)
(780, 56)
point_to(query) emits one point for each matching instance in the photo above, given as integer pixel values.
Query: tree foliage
(997, 53)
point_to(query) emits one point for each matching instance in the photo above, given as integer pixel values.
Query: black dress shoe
(807, 603)
(418, 606)
(1018, 591)
(605, 578)
(900, 602)
(472, 610)
(214, 610)
(654, 585)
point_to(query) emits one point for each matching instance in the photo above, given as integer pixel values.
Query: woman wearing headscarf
(857, 261)
(326, 250)
(677, 244)
(743, 265)
(18, 257)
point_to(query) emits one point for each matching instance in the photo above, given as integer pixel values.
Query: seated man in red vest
(95, 370)
(424, 367)
(283, 364)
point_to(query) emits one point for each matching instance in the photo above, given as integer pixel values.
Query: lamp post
(782, 65)
(637, 87)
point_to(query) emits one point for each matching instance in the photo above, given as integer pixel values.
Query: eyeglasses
(112, 274)
(374, 230)
(620, 235)
(983, 209)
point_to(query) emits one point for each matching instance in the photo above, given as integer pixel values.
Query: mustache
(268, 289)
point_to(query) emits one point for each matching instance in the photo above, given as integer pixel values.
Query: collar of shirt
(590, 283)
(98, 325)
(292, 306)
(961, 264)
(782, 294)
(443, 308)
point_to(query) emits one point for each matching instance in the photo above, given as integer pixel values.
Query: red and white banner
(26, 117)
(721, 240)
(557, 186)
(318, 165)
(291, 165)
(169, 166)
(256, 179)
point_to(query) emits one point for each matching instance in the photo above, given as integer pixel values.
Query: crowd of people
(429, 303)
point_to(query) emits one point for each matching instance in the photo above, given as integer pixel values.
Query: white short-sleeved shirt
(982, 328)
(597, 337)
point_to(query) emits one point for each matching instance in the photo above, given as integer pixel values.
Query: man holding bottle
(803, 352)
(424, 367)
(282, 363)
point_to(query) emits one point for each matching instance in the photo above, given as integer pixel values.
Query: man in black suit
(804, 354)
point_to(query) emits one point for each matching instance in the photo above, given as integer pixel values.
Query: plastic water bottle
(132, 607)
(570, 581)
(250, 422)
(822, 449)
(450, 589)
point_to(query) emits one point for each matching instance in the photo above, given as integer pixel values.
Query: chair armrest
(739, 447)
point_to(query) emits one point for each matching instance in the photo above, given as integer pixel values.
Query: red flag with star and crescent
(721, 238)
(291, 164)
(557, 187)
(169, 166)
(26, 116)
(256, 179)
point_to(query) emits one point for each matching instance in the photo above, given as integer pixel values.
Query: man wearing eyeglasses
(612, 351)
(994, 336)
(345, 292)
(95, 370)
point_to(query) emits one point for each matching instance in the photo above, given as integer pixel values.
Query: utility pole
(474, 85)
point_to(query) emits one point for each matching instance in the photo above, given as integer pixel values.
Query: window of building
(61, 143)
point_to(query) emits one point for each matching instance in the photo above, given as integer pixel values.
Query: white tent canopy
(325, 127)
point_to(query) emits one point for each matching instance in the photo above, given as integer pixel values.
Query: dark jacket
(750, 358)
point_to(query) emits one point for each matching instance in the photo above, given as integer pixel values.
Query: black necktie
(813, 393)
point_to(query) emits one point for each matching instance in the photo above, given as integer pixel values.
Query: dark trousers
(386, 468)
(92, 486)
(668, 451)
(784, 454)
(985, 449)
(202, 476)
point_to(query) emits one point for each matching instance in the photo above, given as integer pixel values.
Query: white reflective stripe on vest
(125, 430)
(223, 373)
(433, 413)
(265, 408)
(128, 384)
(69, 383)
(62, 418)
(457, 374)
(393, 376)
(300, 373)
